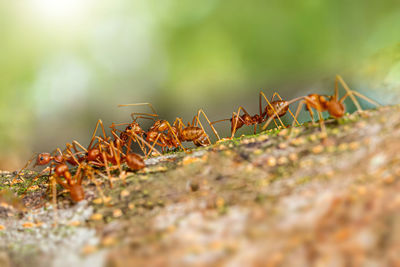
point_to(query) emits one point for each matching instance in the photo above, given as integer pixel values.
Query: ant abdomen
(76, 192)
(336, 109)
(195, 134)
(134, 161)
(280, 105)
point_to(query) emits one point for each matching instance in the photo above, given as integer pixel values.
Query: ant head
(335, 108)
(92, 154)
(133, 127)
(43, 159)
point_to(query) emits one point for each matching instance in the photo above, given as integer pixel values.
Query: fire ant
(192, 132)
(161, 133)
(332, 104)
(270, 110)
(72, 184)
(133, 131)
(53, 158)
(179, 132)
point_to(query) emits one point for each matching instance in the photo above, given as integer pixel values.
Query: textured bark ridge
(284, 197)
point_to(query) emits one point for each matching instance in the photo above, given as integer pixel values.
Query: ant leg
(209, 122)
(152, 147)
(366, 98)
(147, 116)
(179, 123)
(54, 198)
(173, 133)
(116, 155)
(233, 130)
(298, 111)
(119, 140)
(76, 143)
(72, 155)
(220, 121)
(26, 166)
(99, 122)
(201, 126)
(141, 144)
(118, 124)
(35, 178)
(276, 124)
(279, 110)
(269, 104)
(360, 96)
(310, 111)
(348, 90)
(107, 168)
(321, 122)
(280, 98)
(141, 104)
(146, 143)
(236, 120)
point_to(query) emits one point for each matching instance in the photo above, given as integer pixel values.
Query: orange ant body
(45, 158)
(72, 184)
(104, 151)
(270, 110)
(134, 161)
(332, 104)
(192, 132)
(179, 132)
(161, 133)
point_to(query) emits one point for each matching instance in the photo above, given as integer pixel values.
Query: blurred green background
(66, 63)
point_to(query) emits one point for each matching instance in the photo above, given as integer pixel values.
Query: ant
(332, 104)
(133, 131)
(179, 132)
(270, 110)
(161, 133)
(72, 184)
(46, 158)
(192, 132)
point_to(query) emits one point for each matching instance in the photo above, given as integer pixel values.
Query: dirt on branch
(281, 198)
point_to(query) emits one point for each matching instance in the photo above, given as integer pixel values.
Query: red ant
(161, 133)
(72, 184)
(46, 158)
(179, 132)
(102, 151)
(270, 110)
(332, 104)
(192, 132)
(133, 131)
